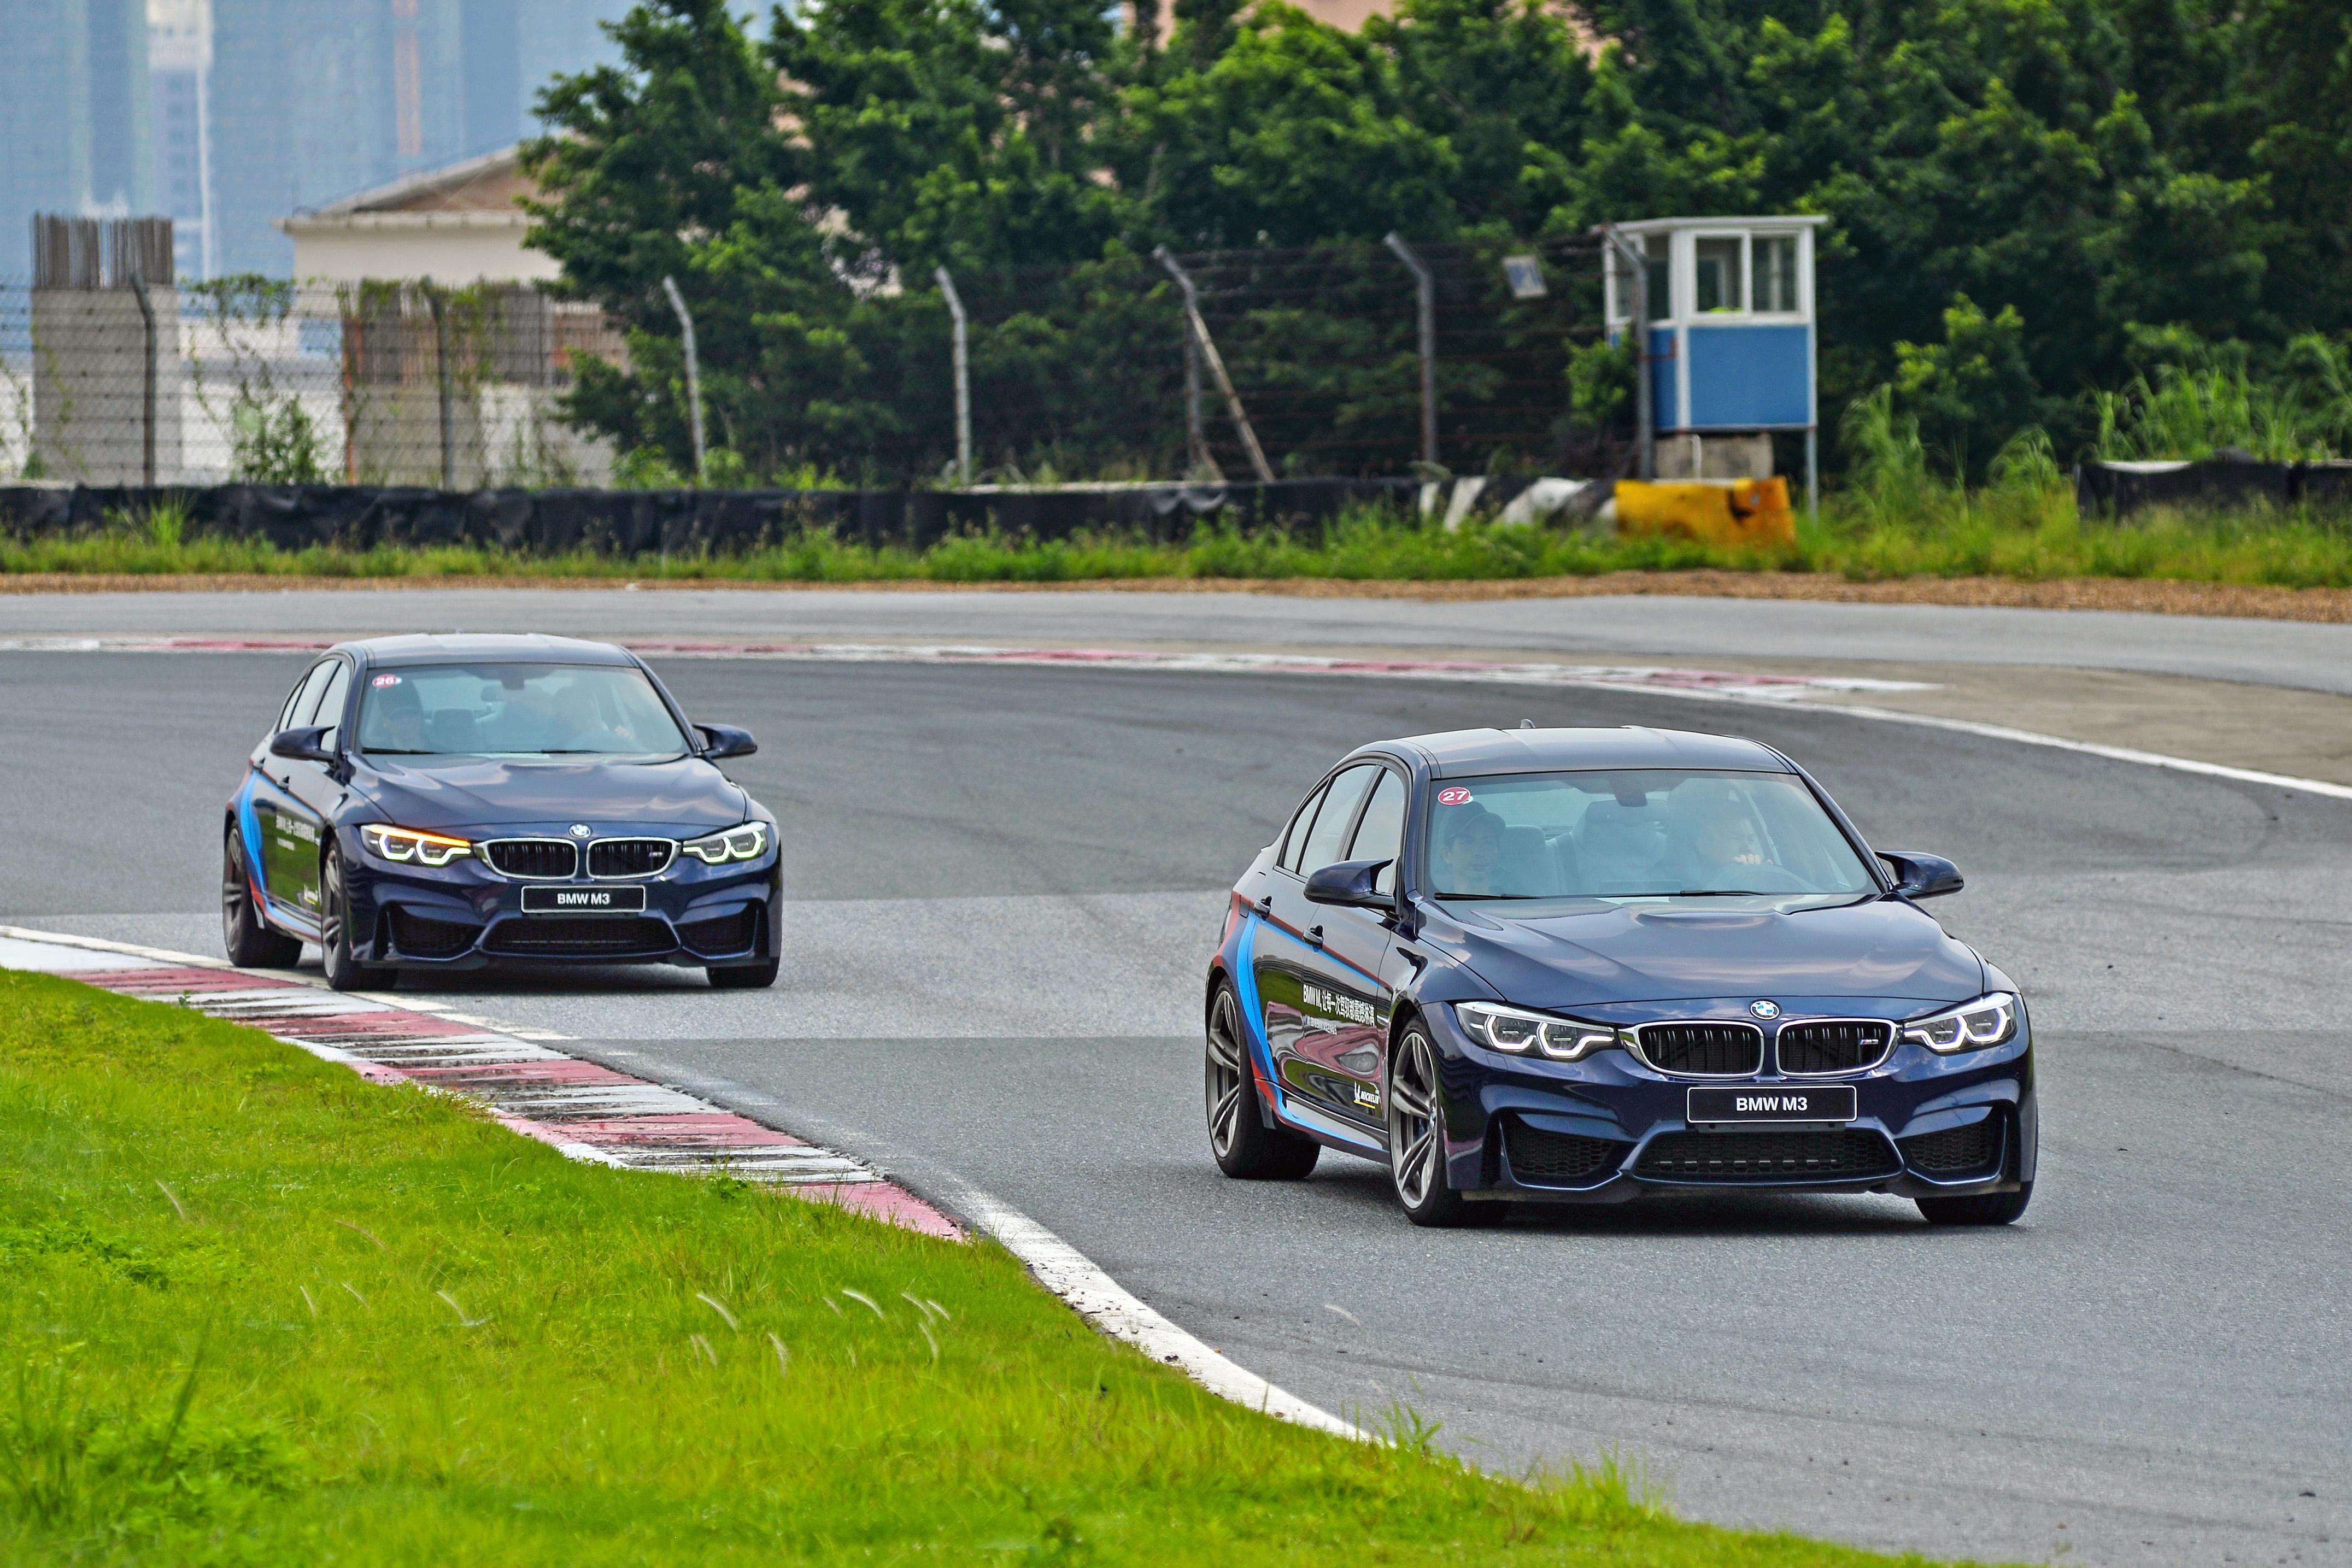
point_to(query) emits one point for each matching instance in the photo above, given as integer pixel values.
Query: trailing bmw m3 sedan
(447, 803)
(1577, 965)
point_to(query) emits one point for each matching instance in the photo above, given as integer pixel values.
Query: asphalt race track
(1010, 881)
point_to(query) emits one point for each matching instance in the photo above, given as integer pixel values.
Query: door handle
(1265, 907)
(1315, 934)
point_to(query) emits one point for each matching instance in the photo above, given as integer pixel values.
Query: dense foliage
(2125, 221)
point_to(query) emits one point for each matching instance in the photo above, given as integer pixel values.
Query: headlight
(744, 843)
(410, 844)
(1509, 1029)
(1988, 1020)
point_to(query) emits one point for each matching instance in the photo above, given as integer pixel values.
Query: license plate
(1773, 1102)
(583, 900)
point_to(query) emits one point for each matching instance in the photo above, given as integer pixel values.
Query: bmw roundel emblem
(581, 830)
(1765, 1010)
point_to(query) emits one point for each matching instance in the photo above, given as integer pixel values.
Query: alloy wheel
(1227, 1075)
(1412, 1123)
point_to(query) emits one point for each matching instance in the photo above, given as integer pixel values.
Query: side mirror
(1919, 874)
(302, 745)
(720, 740)
(1350, 885)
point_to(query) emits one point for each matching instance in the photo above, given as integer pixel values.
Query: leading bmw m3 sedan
(429, 803)
(1576, 965)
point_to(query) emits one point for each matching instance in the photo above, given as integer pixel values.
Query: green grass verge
(1947, 534)
(257, 1311)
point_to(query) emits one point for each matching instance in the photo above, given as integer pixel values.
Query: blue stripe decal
(1253, 1018)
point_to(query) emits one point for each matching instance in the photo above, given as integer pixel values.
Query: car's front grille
(609, 935)
(537, 858)
(1719, 1050)
(422, 937)
(630, 857)
(1847, 1156)
(1956, 1151)
(1557, 1159)
(721, 935)
(1836, 1045)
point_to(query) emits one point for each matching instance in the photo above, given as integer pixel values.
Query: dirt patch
(2148, 596)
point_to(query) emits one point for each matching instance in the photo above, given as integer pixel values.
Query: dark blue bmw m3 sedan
(444, 803)
(1573, 965)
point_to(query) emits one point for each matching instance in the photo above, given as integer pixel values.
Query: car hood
(685, 793)
(1878, 947)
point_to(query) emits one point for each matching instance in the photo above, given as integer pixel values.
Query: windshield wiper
(1487, 897)
(401, 751)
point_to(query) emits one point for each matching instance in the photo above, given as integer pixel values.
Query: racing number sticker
(1454, 795)
(385, 681)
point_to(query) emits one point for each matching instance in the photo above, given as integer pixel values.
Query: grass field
(1935, 534)
(259, 1312)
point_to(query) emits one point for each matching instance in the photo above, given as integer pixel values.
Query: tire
(1246, 1147)
(344, 972)
(745, 977)
(248, 941)
(1989, 1209)
(1417, 1141)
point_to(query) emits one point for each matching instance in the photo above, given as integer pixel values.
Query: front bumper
(465, 915)
(1609, 1128)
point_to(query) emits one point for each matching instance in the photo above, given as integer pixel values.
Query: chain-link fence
(115, 383)
(1350, 359)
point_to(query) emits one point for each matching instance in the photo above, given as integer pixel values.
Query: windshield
(515, 710)
(1637, 833)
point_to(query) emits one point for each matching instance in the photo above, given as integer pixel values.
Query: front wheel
(344, 971)
(745, 977)
(1245, 1147)
(1417, 1140)
(247, 939)
(1987, 1209)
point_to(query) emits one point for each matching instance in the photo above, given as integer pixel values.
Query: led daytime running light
(1518, 1032)
(1973, 1026)
(747, 842)
(404, 844)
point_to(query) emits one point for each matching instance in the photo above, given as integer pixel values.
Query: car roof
(1456, 753)
(485, 648)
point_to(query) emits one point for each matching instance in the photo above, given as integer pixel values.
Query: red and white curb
(588, 1112)
(585, 1110)
(1728, 684)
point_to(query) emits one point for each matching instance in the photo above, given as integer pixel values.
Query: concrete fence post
(962, 378)
(1208, 347)
(1424, 287)
(693, 369)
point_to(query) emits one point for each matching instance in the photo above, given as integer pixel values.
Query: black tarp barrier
(683, 522)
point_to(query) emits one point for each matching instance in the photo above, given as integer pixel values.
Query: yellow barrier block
(1746, 513)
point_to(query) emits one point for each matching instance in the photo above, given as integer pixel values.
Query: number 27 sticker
(1454, 795)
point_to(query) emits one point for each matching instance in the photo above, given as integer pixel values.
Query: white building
(454, 227)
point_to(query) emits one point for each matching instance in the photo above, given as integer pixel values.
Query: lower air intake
(1557, 1159)
(421, 936)
(1849, 1156)
(722, 936)
(1956, 1151)
(585, 937)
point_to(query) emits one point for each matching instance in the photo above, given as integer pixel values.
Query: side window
(293, 698)
(1381, 835)
(1330, 832)
(1293, 840)
(330, 705)
(306, 701)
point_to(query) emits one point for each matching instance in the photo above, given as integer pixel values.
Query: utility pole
(1167, 258)
(1637, 264)
(693, 369)
(962, 378)
(1425, 288)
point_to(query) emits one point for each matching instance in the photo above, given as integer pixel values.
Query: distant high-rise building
(178, 67)
(227, 114)
(73, 115)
